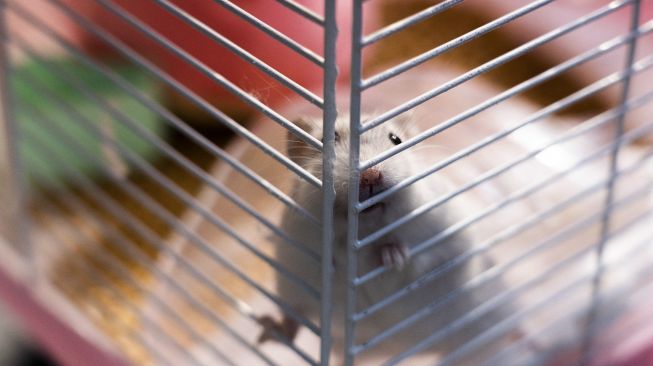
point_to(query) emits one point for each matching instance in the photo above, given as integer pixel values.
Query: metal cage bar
(354, 176)
(328, 190)
(610, 188)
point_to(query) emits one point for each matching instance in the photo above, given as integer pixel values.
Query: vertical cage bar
(13, 174)
(593, 311)
(354, 176)
(328, 156)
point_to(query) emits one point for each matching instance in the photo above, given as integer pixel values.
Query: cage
(355, 182)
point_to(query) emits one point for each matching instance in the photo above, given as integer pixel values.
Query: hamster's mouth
(370, 191)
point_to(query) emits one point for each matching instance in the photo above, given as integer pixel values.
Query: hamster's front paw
(393, 255)
(274, 330)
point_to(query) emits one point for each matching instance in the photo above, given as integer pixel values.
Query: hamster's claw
(394, 255)
(276, 331)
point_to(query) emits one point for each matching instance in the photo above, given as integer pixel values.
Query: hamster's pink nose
(371, 183)
(371, 177)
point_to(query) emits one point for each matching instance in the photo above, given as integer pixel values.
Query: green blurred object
(44, 171)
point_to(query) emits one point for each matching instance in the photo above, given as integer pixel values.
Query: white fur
(393, 170)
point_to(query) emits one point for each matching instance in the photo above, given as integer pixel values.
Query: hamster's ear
(298, 150)
(306, 124)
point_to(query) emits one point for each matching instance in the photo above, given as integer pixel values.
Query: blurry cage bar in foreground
(102, 171)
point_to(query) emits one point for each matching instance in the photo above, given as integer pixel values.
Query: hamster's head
(373, 180)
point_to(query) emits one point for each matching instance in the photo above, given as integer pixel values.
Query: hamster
(391, 250)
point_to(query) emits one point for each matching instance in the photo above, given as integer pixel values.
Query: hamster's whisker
(432, 146)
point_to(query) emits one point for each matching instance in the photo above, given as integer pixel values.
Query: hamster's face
(372, 143)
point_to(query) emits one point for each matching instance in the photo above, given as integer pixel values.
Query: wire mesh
(463, 183)
(362, 282)
(137, 237)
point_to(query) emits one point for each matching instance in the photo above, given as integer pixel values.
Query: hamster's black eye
(394, 138)
(337, 138)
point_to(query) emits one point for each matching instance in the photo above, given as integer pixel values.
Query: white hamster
(390, 250)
